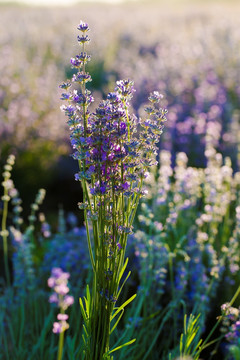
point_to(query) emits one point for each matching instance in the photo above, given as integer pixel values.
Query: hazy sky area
(58, 2)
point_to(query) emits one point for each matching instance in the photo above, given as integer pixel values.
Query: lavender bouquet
(114, 150)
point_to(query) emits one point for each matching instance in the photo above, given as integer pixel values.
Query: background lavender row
(190, 53)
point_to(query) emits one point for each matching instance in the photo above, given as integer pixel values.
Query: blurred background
(187, 50)
(185, 250)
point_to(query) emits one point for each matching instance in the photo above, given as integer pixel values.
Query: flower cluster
(231, 323)
(59, 282)
(103, 140)
(110, 156)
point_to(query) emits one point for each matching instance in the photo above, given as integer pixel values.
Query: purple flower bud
(155, 97)
(56, 272)
(62, 317)
(103, 189)
(68, 300)
(92, 190)
(61, 289)
(83, 26)
(125, 186)
(113, 97)
(65, 85)
(69, 110)
(76, 62)
(53, 298)
(123, 125)
(57, 328)
(83, 39)
(91, 169)
(65, 96)
(81, 77)
(51, 282)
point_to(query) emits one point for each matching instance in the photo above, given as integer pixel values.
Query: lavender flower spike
(59, 283)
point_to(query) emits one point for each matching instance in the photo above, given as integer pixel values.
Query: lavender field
(115, 244)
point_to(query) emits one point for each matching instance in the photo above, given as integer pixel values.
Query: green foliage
(189, 343)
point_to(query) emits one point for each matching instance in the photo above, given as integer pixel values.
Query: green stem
(173, 294)
(60, 346)
(89, 241)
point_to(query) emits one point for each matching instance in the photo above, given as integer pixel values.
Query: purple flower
(155, 97)
(125, 186)
(57, 328)
(68, 301)
(81, 77)
(83, 39)
(65, 96)
(65, 86)
(62, 317)
(83, 26)
(51, 282)
(75, 62)
(103, 189)
(61, 289)
(113, 97)
(58, 281)
(53, 298)
(69, 110)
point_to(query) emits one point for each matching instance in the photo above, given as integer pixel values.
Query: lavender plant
(59, 282)
(24, 246)
(7, 186)
(114, 150)
(231, 324)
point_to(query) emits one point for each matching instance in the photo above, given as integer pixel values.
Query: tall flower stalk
(114, 150)
(7, 186)
(59, 282)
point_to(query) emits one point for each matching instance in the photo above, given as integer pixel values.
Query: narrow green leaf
(190, 340)
(120, 290)
(88, 295)
(115, 325)
(185, 323)
(85, 330)
(123, 269)
(181, 345)
(121, 346)
(123, 306)
(83, 310)
(197, 346)
(83, 337)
